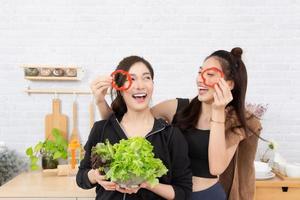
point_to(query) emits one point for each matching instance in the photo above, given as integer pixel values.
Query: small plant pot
(31, 71)
(49, 163)
(58, 72)
(71, 72)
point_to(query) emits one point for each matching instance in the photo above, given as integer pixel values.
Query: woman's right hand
(99, 87)
(95, 177)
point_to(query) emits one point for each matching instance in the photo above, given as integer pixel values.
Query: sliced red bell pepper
(214, 69)
(128, 77)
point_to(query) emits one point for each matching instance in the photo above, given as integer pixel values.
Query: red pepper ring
(128, 77)
(214, 69)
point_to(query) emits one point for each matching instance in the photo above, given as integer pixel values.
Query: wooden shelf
(51, 78)
(57, 91)
(37, 76)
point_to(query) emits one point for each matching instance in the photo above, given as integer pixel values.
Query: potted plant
(49, 151)
(269, 151)
(11, 163)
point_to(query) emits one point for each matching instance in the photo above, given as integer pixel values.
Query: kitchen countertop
(278, 189)
(278, 182)
(37, 184)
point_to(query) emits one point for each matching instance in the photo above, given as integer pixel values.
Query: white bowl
(292, 170)
(261, 167)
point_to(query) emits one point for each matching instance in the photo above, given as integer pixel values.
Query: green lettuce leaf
(131, 162)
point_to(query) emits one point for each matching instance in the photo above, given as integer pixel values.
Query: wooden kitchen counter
(277, 189)
(37, 186)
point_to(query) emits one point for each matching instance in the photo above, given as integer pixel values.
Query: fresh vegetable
(129, 162)
(102, 156)
(211, 76)
(119, 74)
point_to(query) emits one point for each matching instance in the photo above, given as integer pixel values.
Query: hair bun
(237, 52)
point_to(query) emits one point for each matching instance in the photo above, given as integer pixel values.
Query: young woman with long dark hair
(131, 117)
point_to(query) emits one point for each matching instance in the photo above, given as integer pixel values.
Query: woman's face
(138, 96)
(205, 93)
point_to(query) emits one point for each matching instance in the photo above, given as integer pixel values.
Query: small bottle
(74, 153)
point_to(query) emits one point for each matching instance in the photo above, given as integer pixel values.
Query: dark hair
(118, 104)
(235, 70)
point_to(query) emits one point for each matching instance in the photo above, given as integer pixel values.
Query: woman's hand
(99, 87)
(222, 96)
(96, 177)
(132, 190)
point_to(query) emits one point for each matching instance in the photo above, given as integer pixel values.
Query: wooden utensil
(74, 143)
(92, 113)
(75, 134)
(284, 177)
(56, 120)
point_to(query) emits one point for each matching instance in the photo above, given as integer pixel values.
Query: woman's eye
(148, 77)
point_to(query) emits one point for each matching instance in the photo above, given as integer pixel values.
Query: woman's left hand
(222, 95)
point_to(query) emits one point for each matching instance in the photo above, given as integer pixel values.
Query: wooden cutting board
(75, 134)
(56, 120)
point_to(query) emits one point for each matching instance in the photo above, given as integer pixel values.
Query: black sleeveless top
(198, 141)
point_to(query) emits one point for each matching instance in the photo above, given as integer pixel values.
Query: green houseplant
(49, 151)
(11, 163)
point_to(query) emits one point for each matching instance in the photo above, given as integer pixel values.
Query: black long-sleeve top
(169, 145)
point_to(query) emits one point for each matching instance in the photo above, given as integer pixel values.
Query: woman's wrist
(218, 115)
(100, 103)
(147, 186)
(218, 122)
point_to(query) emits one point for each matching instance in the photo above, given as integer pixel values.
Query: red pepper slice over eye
(128, 78)
(215, 69)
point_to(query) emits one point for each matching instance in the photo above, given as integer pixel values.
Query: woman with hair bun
(221, 133)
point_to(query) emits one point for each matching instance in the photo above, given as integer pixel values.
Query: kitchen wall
(175, 36)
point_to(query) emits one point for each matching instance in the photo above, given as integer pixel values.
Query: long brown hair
(235, 70)
(118, 104)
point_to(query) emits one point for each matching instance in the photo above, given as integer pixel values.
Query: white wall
(175, 36)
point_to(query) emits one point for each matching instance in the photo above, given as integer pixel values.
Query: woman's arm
(163, 190)
(165, 110)
(218, 153)
(99, 88)
(104, 110)
(82, 178)
(95, 177)
(87, 177)
(181, 172)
